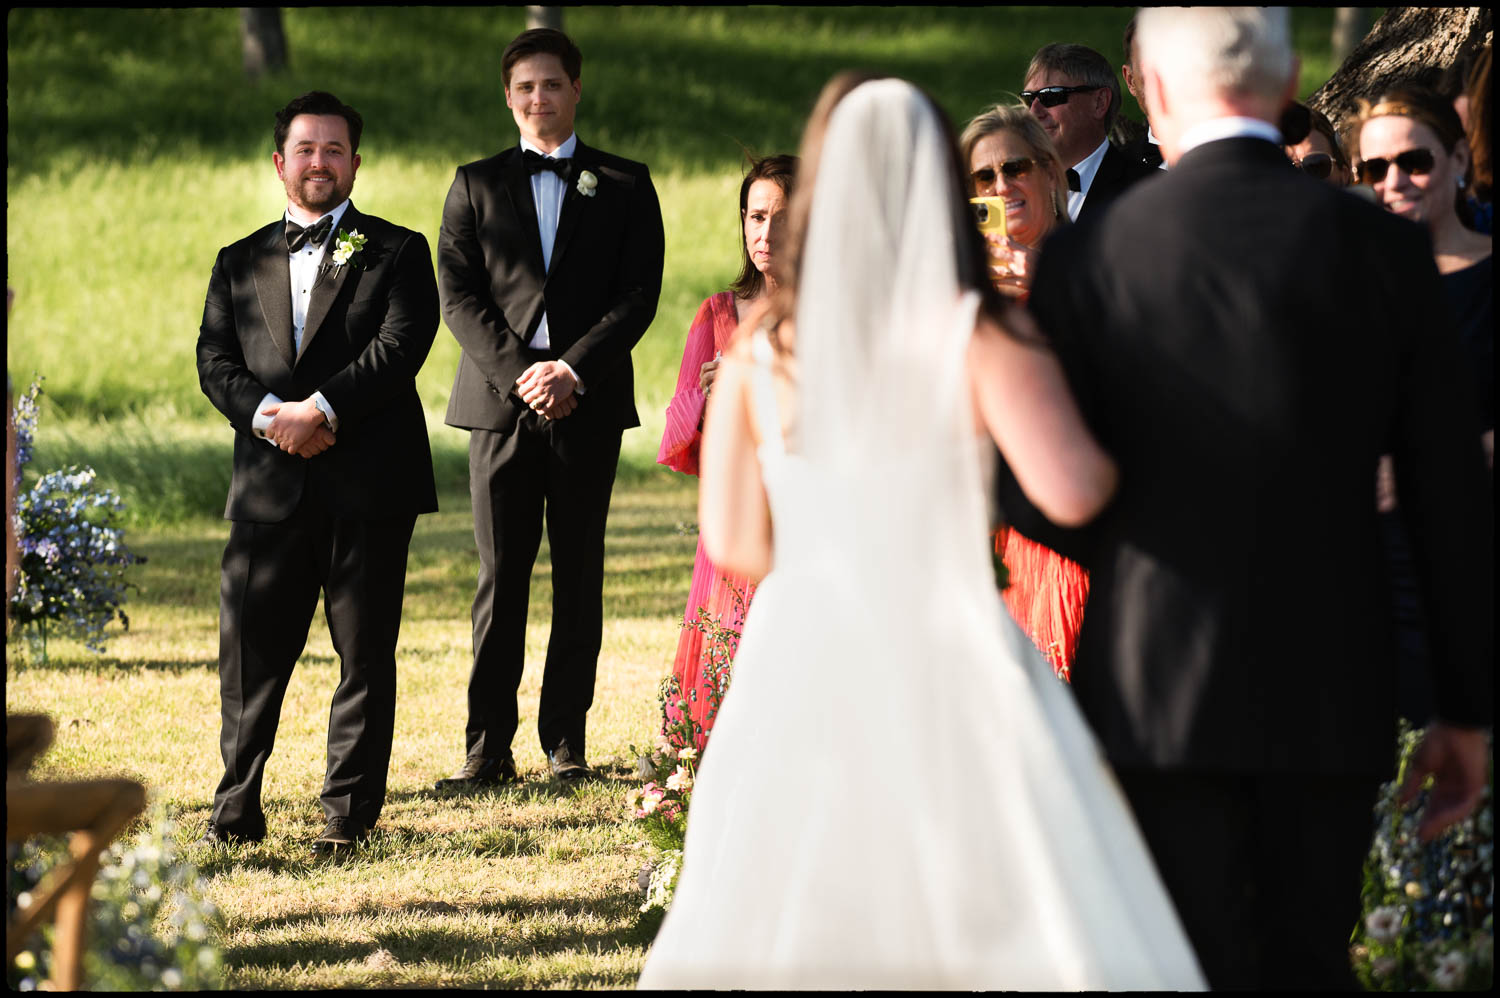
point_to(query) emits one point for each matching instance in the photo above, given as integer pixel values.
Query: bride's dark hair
(969, 250)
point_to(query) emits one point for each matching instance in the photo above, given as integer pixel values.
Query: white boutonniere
(345, 246)
(587, 184)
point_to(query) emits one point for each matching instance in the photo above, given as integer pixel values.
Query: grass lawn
(527, 887)
(135, 149)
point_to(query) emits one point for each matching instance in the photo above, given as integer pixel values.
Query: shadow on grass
(553, 932)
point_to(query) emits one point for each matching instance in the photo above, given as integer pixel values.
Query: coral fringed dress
(1046, 596)
(713, 589)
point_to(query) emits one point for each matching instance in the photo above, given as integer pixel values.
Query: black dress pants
(272, 575)
(541, 472)
(1265, 871)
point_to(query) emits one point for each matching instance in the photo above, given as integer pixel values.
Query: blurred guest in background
(1073, 92)
(1320, 154)
(1413, 153)
(1009, 155)
(726, 596)
(1145, 148)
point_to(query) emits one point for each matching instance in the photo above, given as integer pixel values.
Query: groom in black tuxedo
(313, 332)
(549, 266)
(1247, 359)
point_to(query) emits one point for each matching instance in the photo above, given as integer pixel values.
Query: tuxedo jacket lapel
(518, 187)
(329, 283)
(273, 289)
(572, 207)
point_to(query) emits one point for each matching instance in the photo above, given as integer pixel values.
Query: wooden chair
(92, 811)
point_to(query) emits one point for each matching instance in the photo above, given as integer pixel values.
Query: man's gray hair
(1230, 50)
(1084, 66)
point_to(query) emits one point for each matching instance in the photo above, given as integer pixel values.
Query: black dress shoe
(218, 835)
(478, 773)
(568, 765)
(341, 834)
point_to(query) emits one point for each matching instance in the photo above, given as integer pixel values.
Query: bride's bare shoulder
(744, 334)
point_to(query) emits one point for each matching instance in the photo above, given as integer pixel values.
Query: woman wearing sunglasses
(1008, 154)
(1319, 155)
(1412, 152)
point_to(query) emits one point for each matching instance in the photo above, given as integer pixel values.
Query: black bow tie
(298, 237)
(1074, 184)
(536, 163)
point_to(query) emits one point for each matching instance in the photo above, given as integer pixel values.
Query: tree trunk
(1350, 24)
(1405, 44)
(263, 41)
(544, 17)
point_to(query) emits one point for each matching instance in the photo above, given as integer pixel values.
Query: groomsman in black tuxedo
(549, 266)
(1236, 654)
(1073, 92)
(313, 332)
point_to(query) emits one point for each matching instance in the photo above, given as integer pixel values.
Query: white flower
(1384, 923)
(688, 754)
(346, 245)
(681, 780)
(1383, 966)
(587, 183)
(1448, 972)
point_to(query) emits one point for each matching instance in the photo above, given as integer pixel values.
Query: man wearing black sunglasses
(1073, 92)
(1247, 344)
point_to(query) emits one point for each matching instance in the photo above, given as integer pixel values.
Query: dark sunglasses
(1012, 168)
(1414, 162)
(1318, 164)
(1052, 96)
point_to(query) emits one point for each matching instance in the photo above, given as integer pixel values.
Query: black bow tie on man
(1075, 183)
(298, 237)
(536, 163)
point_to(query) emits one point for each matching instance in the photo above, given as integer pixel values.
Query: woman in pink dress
(725, 596)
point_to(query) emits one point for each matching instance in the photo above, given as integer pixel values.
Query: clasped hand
(298, 428)
(549, 388)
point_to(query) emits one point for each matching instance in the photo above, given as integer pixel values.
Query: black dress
(1470, 295)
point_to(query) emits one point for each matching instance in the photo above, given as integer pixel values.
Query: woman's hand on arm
(1023, 399)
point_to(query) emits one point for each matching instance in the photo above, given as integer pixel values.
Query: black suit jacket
(1117, 172)
(1246, 357)
(369, 326)
(599, 294)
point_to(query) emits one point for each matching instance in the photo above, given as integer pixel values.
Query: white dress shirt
(1227, 128)
(1086, 169)
(1151, 138)
(303, 266)
(547, 193)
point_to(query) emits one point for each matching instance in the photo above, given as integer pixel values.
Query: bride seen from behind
(898, 792)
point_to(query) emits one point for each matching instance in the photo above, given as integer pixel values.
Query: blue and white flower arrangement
(73, 553)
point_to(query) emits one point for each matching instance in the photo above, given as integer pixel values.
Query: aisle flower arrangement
(149, 928)
(1428, 922)
(73, 553)
(669, 768)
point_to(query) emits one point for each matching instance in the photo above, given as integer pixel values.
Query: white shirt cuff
(262, 422)
(569, 368)
(327, 407)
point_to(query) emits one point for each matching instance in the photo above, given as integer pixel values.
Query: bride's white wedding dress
(898, 793)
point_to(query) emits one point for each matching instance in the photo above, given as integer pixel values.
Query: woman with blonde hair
(1008, 154)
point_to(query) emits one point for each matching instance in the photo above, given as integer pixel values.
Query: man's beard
(308, 194)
